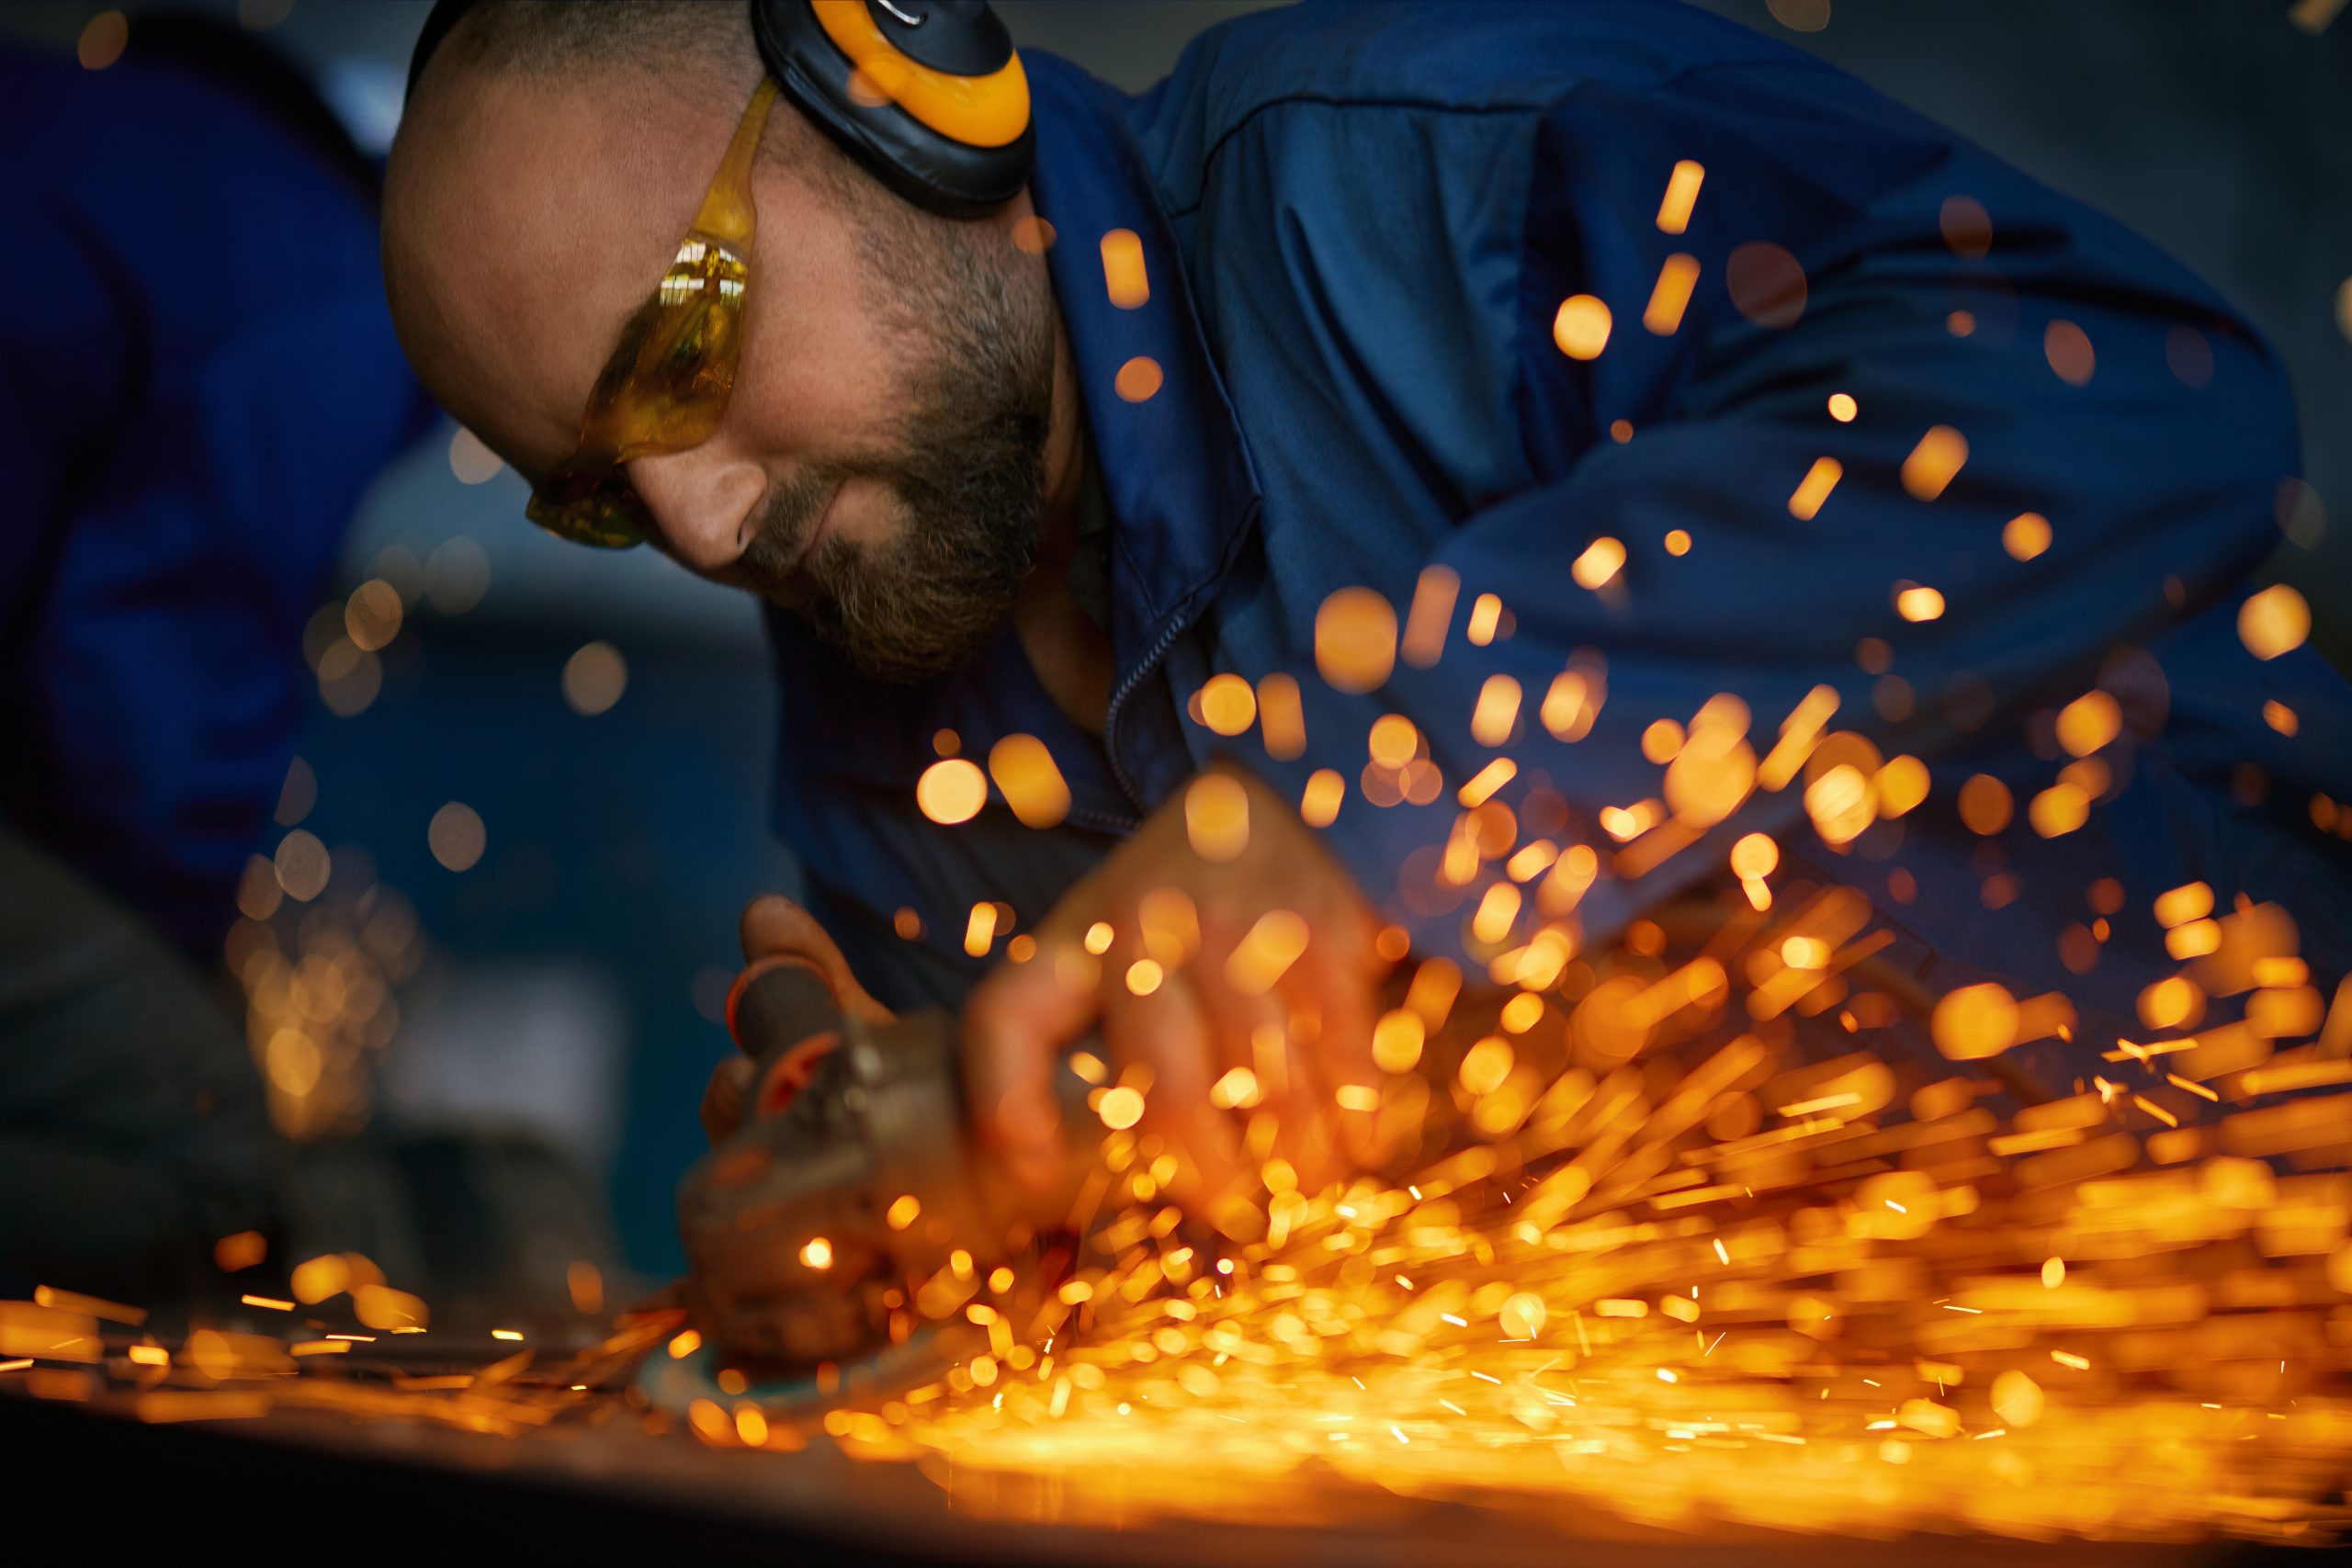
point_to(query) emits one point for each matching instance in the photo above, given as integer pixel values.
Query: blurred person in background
(1381, 297)
(197, 380)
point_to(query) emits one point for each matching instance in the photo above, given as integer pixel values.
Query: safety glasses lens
(598, 509)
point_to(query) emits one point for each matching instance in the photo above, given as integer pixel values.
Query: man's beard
(965, 465)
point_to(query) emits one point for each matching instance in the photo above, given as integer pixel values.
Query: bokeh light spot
(1228, 704)
(2274, 621)
(371, 616)
(1967, 227)
(1138, 380)
(470, 460)
(1024, 771)
(1767, 284)
(456, 836)
(594, 678)
(1581, 327)
(1355, 639)
(103, 40)
(302, 864)
(457, 575)
(2025, 536)
(952, 789)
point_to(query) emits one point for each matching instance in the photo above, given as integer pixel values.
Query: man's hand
(1173, 1000)
(775, 926)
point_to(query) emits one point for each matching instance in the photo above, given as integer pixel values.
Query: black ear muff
(928, 96)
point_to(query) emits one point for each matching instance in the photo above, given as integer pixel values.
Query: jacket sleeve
(190, 503)
(68, 351)
(1840, 246)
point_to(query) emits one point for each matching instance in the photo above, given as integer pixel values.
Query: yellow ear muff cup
(978, 111)
(929, 96)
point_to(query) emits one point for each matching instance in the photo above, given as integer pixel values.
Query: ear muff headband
(979, 111)
(953, 134)
(956, 142)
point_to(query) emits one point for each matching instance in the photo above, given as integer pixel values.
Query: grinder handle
(778, 1003)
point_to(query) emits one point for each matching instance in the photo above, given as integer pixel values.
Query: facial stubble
(970, 321)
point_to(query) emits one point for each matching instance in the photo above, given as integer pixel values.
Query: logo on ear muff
(991, 110)
(929, 96)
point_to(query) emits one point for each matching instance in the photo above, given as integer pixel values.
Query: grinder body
(854, 1178)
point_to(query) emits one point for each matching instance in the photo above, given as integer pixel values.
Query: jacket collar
(1174, 466)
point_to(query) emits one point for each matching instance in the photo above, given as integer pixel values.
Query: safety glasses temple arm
(728, 213)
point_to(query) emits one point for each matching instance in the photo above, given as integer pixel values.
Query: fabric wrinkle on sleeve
(2139, 484)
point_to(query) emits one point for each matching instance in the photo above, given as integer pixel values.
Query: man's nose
(703, 497)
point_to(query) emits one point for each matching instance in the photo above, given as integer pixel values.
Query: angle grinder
(853, 1178)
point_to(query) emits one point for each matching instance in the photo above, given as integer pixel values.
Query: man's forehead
(525, 219)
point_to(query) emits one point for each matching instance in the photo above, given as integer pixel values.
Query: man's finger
(722, 1097)
(1167, 1032)
(1304, 1136)
(1260, 1034)
(775, 926)
(1290, 1087)
(1015, 1025)
(1332, 984)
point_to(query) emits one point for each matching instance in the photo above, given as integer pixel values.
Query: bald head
(550, 158)
(882, 461)
(546, 38)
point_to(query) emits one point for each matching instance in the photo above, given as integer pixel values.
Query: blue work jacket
(197, 379)
(1359, 227)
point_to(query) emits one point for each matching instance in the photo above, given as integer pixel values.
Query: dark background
(578, 968)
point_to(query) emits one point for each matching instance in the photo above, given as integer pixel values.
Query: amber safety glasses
(666, 385)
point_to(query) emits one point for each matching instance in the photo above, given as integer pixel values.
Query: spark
(1122, 269)
(1485, 619)
(1682, 194)
(979, 930)
(1675, 279)
(1805, 501)
(1933, 463)
(1580, 327)
(1120, 1107)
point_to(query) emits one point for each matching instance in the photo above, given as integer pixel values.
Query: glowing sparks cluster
(1699, 1242)
(62, 1344)
(1729, 1222)
(319, 984)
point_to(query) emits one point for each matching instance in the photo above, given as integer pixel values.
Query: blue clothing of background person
(197, 379)
(1360, 224)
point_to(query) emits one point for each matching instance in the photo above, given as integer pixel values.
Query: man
(1628, 358)
(198, 378)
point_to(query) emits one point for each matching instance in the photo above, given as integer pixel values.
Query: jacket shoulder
(1466, 56)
